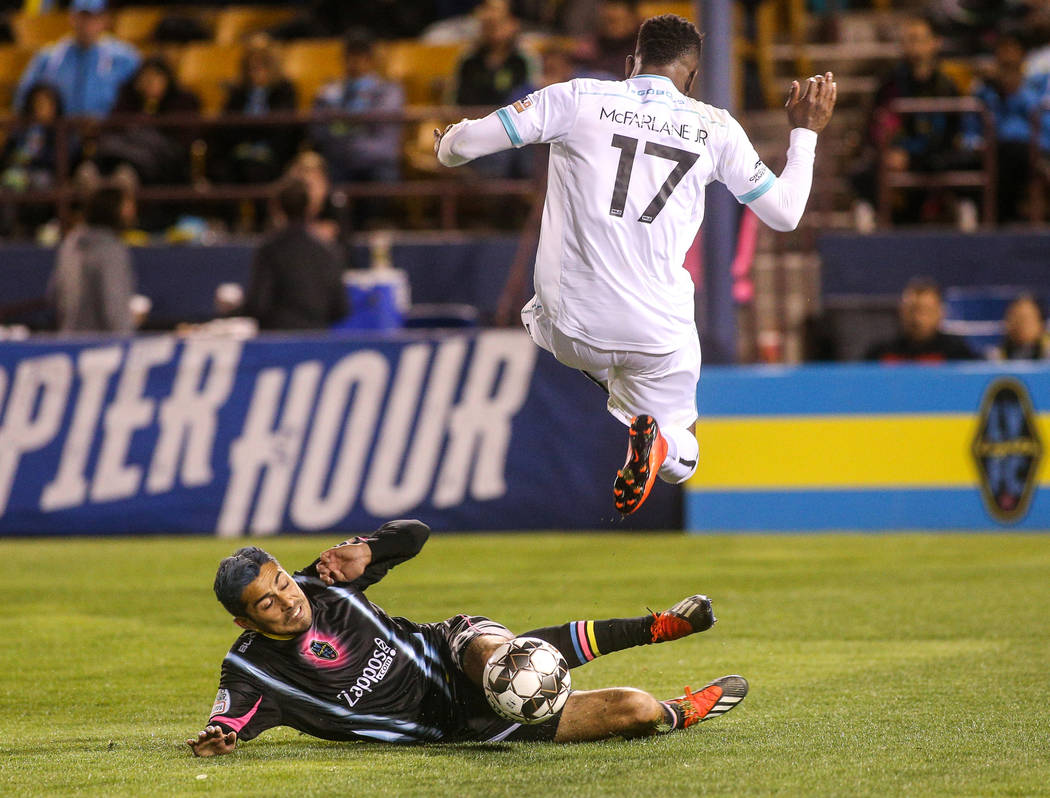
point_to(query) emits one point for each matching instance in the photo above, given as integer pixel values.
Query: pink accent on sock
(238, 723)
(580, 628)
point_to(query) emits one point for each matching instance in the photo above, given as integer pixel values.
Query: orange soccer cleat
(646, 450)
(714, 700)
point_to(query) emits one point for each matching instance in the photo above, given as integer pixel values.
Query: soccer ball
(526, 680)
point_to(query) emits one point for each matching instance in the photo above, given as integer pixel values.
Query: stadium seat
(207, 69)
(311, 64)
(13, 60)
(33, 31)
(136, 24)
(655, 7)
(977, 313)
(233, 24)
(425, 71)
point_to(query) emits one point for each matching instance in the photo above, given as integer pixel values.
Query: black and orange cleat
(646, 450)
(688, 616)
(715, 700)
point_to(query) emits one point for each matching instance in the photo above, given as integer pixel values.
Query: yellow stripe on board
(899, 450)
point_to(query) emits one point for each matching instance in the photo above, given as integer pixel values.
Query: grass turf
(879, 665)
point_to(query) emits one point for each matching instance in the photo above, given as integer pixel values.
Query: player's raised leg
(582, 641)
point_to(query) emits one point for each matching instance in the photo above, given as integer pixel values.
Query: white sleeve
(543, 116)
(472, 138)
(781, 205)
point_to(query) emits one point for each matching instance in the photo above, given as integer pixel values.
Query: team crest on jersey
(521, 105)
(322, 649)
(222, 703)
(1007, 450)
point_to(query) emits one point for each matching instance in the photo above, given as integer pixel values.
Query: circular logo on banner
(1007, 450)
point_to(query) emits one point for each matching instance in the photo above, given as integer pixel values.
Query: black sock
(581, 641)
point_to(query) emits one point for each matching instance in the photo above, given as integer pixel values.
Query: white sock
(682, 454)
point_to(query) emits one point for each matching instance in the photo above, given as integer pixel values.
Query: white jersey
(629, 161)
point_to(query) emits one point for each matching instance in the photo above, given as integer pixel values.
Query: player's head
(260, 595)
(667, 45)
(921, 309)
(293, 199)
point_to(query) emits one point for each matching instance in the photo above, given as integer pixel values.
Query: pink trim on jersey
(238, 723)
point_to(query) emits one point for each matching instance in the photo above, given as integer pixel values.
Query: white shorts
(664, 386)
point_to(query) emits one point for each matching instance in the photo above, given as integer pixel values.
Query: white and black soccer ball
(526, 680)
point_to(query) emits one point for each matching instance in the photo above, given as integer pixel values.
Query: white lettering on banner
(479, 428)
(367, 374)
(35, 406)
(130, 410)
(189, 417)
(408, 448)
(384, 494)
(261, 448)
(69, 487)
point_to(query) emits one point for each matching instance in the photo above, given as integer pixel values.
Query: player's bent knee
(639, 712)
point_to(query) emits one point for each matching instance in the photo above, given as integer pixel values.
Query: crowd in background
(90, 73)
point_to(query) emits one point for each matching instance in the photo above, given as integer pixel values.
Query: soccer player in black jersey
(318, 656)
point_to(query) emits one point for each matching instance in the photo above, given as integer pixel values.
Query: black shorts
(475, 719)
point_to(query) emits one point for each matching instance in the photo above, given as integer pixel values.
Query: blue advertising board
(304, 434)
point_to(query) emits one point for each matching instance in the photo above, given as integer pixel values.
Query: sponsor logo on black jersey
(322, 649)
(1007, 450)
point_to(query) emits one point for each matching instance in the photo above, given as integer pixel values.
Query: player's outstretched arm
(213, 742)
(365, 560)
(469, 139)
(809, 109)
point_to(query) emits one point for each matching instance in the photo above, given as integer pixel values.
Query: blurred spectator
(88, 68)
(1011, 101)
(92, 283)
(255, 154)
(495, 67)
(1026, 334)
(157, 154)
(322, 215)
(296, 281)
(29, 154)
(926, 142)
(606, 53)
(28, 159)
(357, 151)
(921, 340)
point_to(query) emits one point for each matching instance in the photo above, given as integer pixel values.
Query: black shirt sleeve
(393, 543)
(241, 707)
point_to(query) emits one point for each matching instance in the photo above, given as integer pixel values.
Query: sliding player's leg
(582, 641)
(627, 712)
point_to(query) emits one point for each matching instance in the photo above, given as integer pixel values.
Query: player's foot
(688, 616)
(646, 450)
(714, 700)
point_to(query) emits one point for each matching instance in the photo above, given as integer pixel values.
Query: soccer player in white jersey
(629, 162)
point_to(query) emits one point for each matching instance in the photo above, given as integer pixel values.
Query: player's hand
(440, 134)
(810, 105)
(344, 563)
(212, 742)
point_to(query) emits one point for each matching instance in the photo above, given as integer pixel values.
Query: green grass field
(879, 665)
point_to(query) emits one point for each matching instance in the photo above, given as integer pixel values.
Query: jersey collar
(659, 77)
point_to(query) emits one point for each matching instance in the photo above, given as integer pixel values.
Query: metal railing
(985, 178)
(85, 130)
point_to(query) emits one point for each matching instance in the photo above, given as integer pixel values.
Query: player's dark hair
(235, 573)
(667, 38)
(923, 285)
(104, 207)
